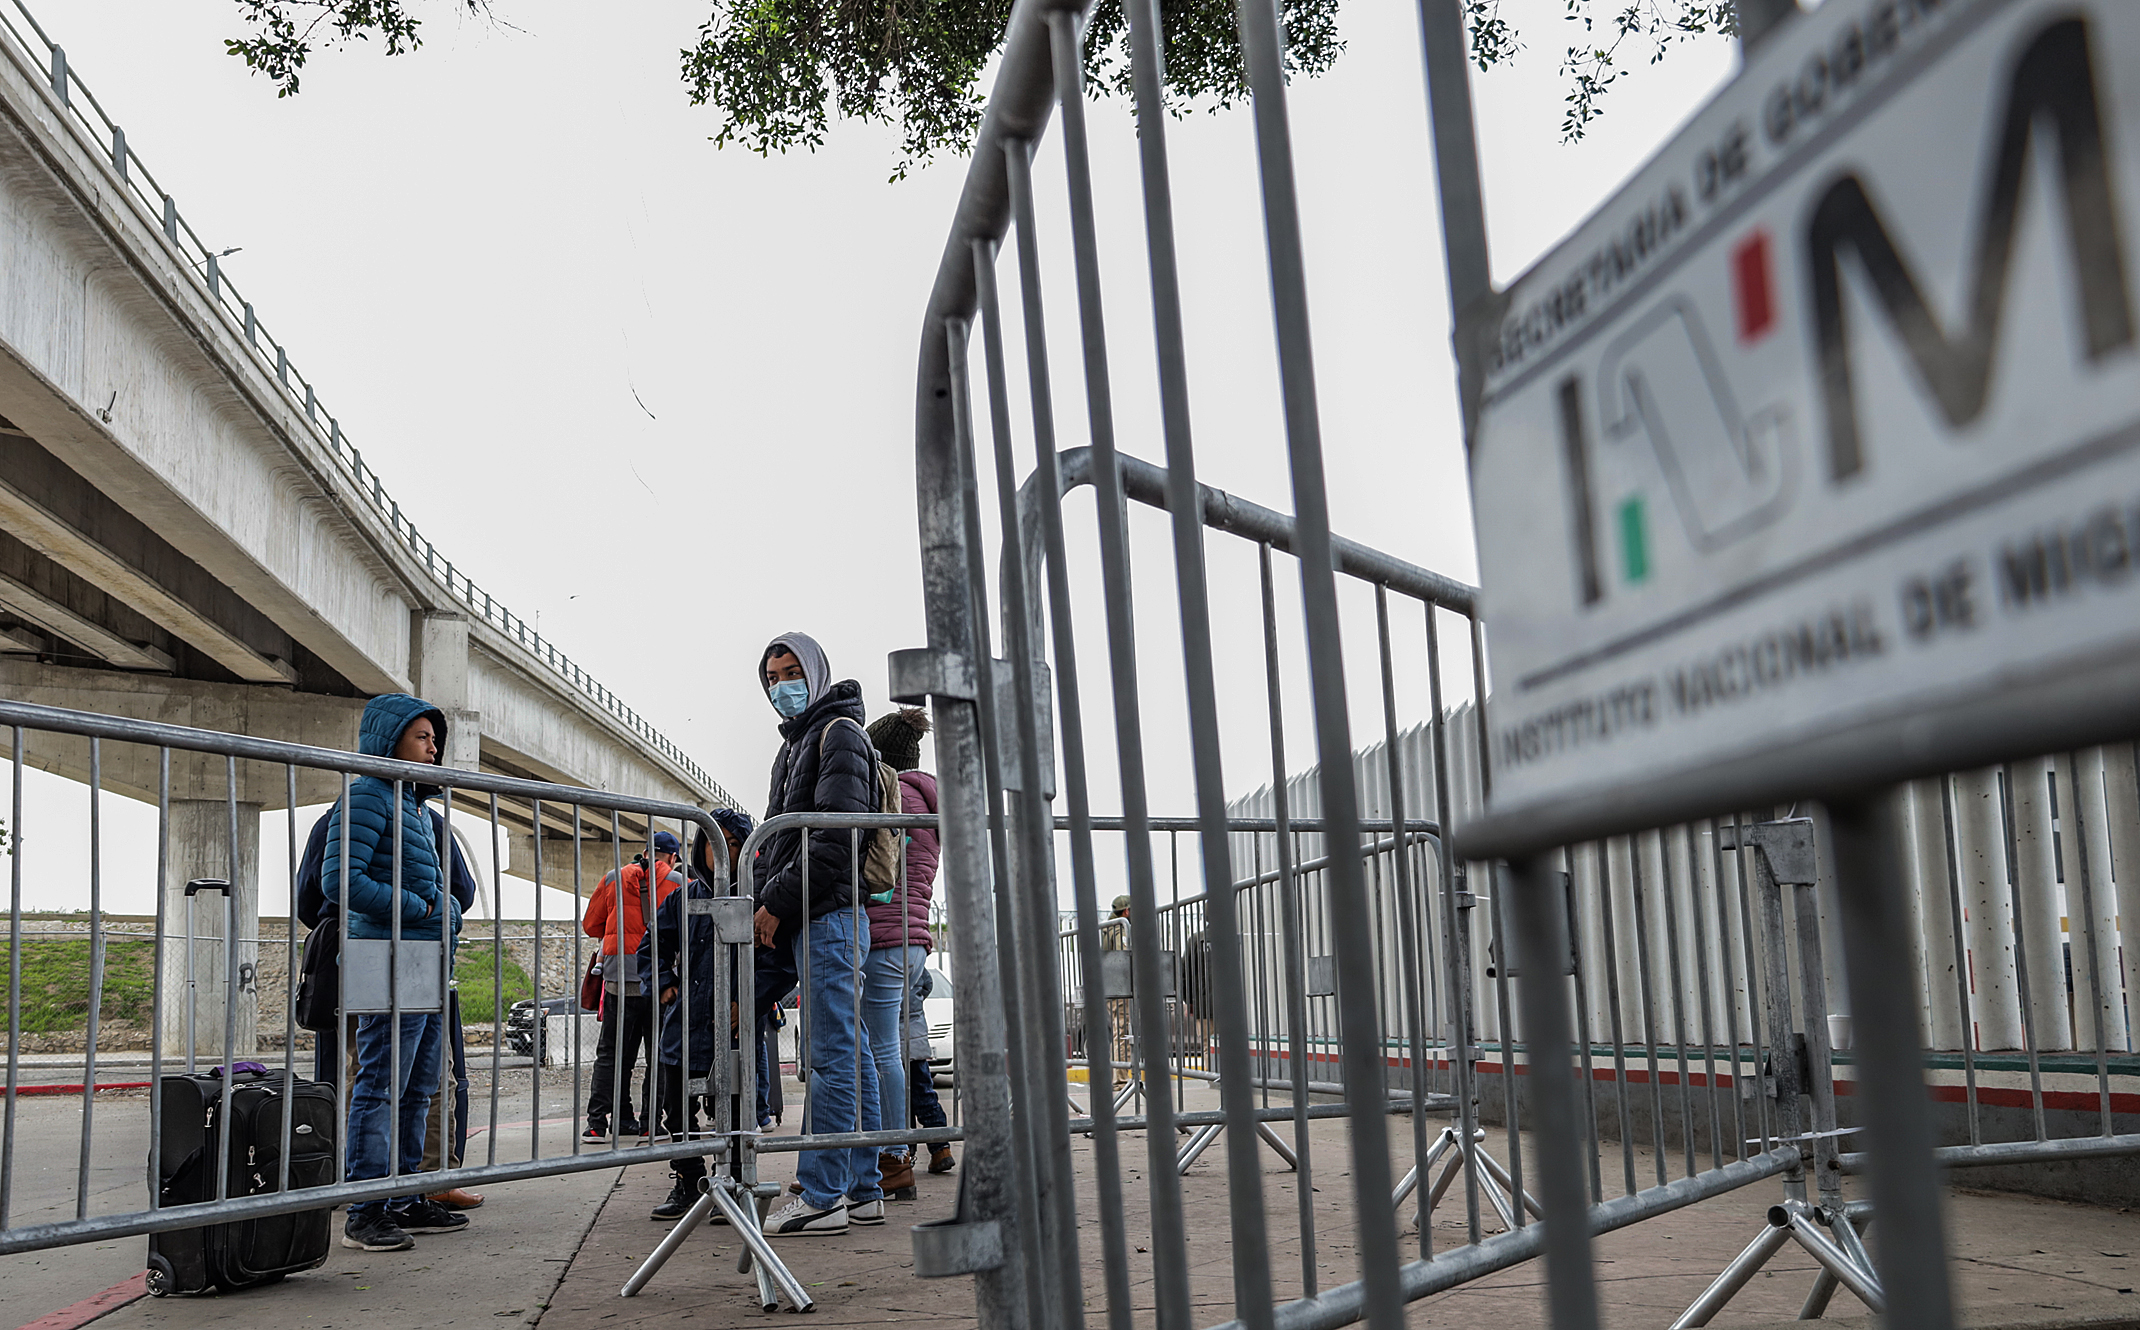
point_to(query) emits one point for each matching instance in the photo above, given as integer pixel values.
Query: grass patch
(488, 994)
(55, 983)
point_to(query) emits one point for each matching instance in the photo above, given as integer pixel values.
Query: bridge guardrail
(99, 133)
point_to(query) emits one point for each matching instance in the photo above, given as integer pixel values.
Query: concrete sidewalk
(505, 1262)
(500, 1270)
(865, 1277)
(2019, 1260)
(555, 1253)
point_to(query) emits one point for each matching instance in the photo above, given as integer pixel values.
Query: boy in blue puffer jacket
(408, 729)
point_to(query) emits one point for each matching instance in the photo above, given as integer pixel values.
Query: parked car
(526, 1033)
(937, 1009)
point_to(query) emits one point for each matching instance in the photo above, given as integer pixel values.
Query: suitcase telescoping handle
(230, 930)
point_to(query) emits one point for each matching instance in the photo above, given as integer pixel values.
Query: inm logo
(2053, 81)
(1753, 291)
(1727, 472)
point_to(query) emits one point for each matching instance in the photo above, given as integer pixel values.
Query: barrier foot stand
(1444, 1141)
(1501, 1175)
(744, 1219)
(1211, 1132)
(1279, 1145)
(1444, 1144)
(1453, 1166)
(1742, 1268)
(1848, 1237)
(693, 1217)
(1495, 1181)
(1497, 1198)
(1843, 1261)
(768, 1296)
(1131, 1089)
(1198, 1143)
(1861, 1281)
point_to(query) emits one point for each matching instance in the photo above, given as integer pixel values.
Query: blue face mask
(790, 697)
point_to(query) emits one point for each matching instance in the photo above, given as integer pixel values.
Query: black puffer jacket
(709, 1013)
(825, 767)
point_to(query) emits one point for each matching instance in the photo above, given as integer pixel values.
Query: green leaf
(779, 72)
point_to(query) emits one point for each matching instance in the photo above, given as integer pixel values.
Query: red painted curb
(75, 1089)
(90, 1308)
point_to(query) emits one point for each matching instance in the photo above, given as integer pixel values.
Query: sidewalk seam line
(542, 1309)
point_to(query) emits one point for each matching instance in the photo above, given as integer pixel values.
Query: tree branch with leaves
(781, 71)
(1592, 64)
(284, 32)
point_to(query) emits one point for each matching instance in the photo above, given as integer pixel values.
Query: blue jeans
(887, 977)
(839, 1049)
(369, 1110)
(928, 1109)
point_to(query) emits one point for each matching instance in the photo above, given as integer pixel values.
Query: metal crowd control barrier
(2016, 878)
(1990, 890)
(1400, 955)
(761, 1042)
(176, 766)
(1693, 957)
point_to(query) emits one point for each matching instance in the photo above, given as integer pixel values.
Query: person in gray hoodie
(826, 765)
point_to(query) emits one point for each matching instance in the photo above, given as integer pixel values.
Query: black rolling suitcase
(253, 1251)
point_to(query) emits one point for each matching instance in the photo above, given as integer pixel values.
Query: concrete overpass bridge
(187, 535)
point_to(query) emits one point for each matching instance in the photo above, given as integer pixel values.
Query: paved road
(46, 1162)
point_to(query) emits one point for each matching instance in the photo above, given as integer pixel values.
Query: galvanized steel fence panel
(1670, 1037)
(586, 827)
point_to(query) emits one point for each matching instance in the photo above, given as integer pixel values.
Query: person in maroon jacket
(899, 933)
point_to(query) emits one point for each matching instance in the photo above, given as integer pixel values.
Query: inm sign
(1814, 456)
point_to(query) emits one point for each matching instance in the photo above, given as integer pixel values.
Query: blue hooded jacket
(371, 836)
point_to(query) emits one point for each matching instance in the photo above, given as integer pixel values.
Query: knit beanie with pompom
(898, 737)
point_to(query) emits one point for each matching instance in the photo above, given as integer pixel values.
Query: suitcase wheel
(159, 1277)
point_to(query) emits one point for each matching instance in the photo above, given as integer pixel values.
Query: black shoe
(596, 1131)
(425, 1216)
(633, 1129)
(375, 1230)
(681, 1198)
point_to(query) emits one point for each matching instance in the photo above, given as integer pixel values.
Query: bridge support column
(597, 859)
(200, 848)
(440, 642)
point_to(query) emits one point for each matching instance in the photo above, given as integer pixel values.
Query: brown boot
(898, 1173)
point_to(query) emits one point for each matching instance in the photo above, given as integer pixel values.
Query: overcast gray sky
(660, 394)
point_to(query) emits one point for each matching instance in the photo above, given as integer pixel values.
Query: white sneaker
(865, 1212)
(799, 1219)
